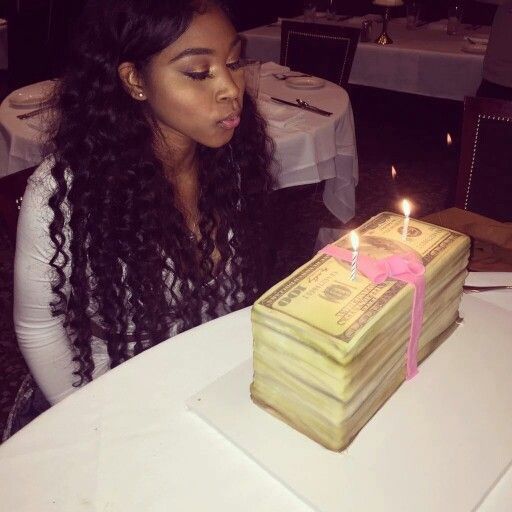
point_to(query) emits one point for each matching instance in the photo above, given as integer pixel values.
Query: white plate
(305, 82)
(32, 95)
(477, 40)
(478, 49)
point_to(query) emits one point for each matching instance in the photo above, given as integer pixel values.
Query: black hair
(124, 257)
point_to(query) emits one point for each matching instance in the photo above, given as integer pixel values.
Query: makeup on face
(195, 86)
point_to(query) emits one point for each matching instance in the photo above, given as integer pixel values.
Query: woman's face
(195, 86)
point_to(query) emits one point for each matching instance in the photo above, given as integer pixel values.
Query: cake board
(441, 442)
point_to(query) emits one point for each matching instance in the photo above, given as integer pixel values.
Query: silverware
(33, 113)
(283, 76)
(477, 289)
(305, 106)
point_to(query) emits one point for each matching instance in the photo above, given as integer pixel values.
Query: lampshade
(388, 3)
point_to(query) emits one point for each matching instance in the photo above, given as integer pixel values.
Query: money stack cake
(329, 350)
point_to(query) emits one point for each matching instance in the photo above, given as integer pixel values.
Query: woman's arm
(495, 2)
(41, 336)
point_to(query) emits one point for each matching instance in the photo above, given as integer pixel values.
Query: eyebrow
(203, 51)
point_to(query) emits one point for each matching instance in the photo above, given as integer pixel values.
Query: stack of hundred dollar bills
(329, 350)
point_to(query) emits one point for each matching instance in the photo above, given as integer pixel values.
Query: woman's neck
(181, 169)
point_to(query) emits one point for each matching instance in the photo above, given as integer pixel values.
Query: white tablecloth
(21, 140)
(316, 149)
(126, 442)
(319, 148)
(424, 61)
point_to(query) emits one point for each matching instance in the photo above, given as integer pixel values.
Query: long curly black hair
(124, 256)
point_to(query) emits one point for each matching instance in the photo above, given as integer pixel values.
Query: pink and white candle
(406, 207)
(354, 240)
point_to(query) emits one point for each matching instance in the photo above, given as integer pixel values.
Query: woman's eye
(199, 75)
(234, 66)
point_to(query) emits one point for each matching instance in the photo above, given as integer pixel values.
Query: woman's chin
(218, 142)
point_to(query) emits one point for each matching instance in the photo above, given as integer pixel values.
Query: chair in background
(12, 188)
(484, 182)
(326, 51)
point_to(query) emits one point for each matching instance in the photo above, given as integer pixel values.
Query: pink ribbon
(402, 267)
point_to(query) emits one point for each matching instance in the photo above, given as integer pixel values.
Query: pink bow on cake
(404, 267)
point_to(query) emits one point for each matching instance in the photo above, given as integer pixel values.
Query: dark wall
(38, 38)
(260, 12)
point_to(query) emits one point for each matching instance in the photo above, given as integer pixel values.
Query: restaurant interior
(400, 121)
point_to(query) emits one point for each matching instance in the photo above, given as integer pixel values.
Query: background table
(126, 441)
(21, 141)
(319, 148)
(423, 61)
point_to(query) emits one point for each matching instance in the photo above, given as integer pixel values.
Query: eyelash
(235, 66)
(203, 75)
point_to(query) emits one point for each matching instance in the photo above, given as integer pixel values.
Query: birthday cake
(331, 346)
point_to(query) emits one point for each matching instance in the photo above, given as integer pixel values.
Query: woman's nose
(230, 87)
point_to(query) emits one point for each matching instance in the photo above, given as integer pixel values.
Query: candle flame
(393, 172)
(354, 240)
(406, 207)
(448, 139)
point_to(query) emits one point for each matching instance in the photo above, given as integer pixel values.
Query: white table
(126, 441)
(321, 148)
(424, 61)
(21, 141)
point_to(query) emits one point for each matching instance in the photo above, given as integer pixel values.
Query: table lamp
(384, 36)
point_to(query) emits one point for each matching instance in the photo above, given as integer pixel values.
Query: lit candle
(354, 239)
(448, 139)
(394, 179)
(406, 206)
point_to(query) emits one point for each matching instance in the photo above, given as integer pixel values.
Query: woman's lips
(230, 122)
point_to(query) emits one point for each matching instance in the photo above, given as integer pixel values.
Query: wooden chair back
(326, 51)
(484, 182)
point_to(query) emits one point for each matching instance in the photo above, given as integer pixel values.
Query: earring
(141, 95)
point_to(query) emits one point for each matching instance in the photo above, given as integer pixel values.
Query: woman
(497, 71)
(144, 221)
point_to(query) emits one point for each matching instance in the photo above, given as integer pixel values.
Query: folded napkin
(354, 21)
(438, 25)
(400, 21)
(37, 123)
(491, 248)
(376, 18)
(40, 121)
(268, 68)
(279, 116)
(278, 22)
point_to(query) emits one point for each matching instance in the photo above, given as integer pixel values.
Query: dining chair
(484, 181)
(326, 51)
(12, 188)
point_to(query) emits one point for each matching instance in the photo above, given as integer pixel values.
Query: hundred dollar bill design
(322, 295)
